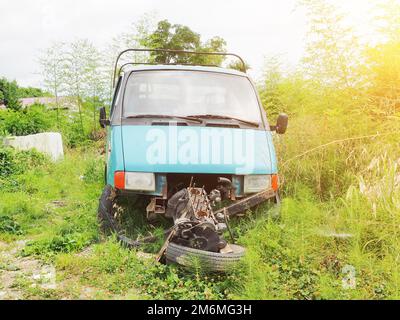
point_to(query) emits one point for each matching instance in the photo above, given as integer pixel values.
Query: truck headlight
(256, 183)
(143, 181)
(140, 181)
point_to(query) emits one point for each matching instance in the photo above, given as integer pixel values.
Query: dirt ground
(29, 278)
(17, 272)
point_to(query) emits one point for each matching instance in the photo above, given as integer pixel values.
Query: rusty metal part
(215, 196)
(156, 206)
(165, 192)
(227, 187)
(196, 225)
(226, 212)
(151, 209)
(198, 200)
(227, 249)
(129, 243)
(243, 64)
(226, 218)
(247, 203)
(165, 245)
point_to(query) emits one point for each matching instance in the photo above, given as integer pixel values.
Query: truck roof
(184, 67)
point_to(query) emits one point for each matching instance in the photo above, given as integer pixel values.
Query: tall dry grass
(338, 235)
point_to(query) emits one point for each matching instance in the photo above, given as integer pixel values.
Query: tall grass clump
(340, 176)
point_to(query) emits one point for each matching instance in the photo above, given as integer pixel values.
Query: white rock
(49, 143)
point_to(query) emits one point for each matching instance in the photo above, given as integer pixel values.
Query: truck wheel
(104, 214)
(209, 261)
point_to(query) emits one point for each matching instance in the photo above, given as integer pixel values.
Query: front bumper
(248, 202)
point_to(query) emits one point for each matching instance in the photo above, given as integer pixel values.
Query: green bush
(57, 244)
(37, 118)
(9, 94)
(33, 120)
(29, 92)
(9, 225)
(6, 162)
(14, 162)
(73, 134)
(94, 171)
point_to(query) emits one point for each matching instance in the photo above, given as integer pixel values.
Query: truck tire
(109, 225)
(209, 261)
(106, 221)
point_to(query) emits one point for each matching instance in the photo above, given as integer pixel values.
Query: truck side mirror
(103, 118)
(281, 123)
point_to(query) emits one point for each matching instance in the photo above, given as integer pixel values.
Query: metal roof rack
(177, 52)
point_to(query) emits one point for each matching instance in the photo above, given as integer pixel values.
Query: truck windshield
(185, 93)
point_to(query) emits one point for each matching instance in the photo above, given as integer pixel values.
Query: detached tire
(209, 261)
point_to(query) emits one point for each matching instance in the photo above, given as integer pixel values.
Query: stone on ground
(49, 143)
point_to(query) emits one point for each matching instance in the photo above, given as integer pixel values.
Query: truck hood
(195, 149)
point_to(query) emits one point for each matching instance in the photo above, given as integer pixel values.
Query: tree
(52, 63)
(270, 94)
(332, 50)
(27, 92)
(383, 63)
(384, 75)
(237, 65)
(85, 75)
(388, 19)
(76, 67)
(147, 33)
(129, 39)
(95, 80)
(10, 94)
(180, 37)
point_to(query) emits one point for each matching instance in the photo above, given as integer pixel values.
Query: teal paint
(130, 145)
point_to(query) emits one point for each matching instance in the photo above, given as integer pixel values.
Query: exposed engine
(195, 223)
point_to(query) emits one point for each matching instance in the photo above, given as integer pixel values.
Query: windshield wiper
(138, 116)
(215, 116)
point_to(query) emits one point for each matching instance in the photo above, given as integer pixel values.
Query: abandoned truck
(195, 141)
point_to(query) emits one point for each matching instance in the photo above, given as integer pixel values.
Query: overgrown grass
(307, 254)
(338, 234)
(52, 204)
(337, 237)
(118, 271)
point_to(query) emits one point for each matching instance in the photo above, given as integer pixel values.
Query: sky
(255, 29)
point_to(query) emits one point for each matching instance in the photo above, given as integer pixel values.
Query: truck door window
(117, 94)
